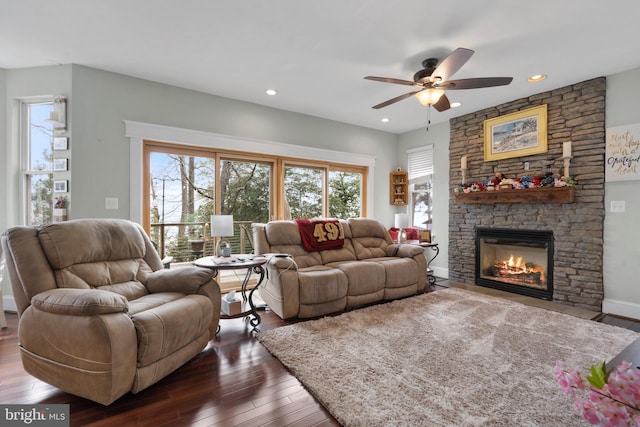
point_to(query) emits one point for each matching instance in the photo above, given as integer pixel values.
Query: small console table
(434, 246)
(253, 265)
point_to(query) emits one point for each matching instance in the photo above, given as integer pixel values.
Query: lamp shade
(221, 225)
(402, 220)
(429, 96)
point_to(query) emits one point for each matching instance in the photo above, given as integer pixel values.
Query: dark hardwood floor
(234, 382)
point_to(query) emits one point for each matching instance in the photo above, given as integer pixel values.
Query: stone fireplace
(519, 261)
(575, 113)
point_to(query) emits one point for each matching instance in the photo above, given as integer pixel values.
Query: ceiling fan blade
(442, 104)
(475, 83)
(390, 80)
(394, 100)
(452, 63)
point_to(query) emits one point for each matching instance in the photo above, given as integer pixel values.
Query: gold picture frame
(516, 135)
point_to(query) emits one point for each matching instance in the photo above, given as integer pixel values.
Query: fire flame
(515, 265)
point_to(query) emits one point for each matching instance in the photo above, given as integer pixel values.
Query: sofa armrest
(186, 280)
(282, 263)
(80, 302)
(404, 250)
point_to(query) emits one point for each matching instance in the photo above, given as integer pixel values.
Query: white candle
(566, 149)
(53, 116)
(463, 162)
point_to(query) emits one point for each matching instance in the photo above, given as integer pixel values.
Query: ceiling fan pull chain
(428, 117)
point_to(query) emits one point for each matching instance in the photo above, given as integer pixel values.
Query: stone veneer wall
(575, 113)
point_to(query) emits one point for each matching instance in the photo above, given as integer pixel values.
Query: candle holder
(567, 162)
(464, 175)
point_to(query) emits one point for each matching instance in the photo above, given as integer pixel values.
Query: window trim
(139, 132)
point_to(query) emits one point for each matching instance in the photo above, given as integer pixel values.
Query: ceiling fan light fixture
(429, 96)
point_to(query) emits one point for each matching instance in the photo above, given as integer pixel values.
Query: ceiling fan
(431, 82)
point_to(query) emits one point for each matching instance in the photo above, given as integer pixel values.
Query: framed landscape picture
(60, 164)
(60, 186)
(60, 143)
(516, 135)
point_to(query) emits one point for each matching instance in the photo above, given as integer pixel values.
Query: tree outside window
(38, 166)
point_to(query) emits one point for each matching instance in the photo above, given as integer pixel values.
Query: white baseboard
(621, 308)
(440, 272)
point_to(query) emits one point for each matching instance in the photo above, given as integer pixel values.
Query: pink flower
(617, 403)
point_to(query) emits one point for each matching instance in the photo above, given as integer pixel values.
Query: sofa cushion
(367, 227)
(321, 284)
(345, 253)
(188, 316)
(364, 277)
(108, 255)
(399, 272)
(150, 301)
(369, 247)
(116, 276)
(370, 238)
(96, 241)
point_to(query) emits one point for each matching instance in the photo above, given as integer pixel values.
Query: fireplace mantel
(530, 195)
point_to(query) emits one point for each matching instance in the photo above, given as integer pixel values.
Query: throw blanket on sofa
(318, 234)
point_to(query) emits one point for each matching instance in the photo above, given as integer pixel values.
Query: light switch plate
(111, 203)
(617, 206)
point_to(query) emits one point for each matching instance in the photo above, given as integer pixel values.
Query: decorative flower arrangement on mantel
(604, 399)
(524, 182)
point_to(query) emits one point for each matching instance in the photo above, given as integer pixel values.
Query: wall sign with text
(622, 162)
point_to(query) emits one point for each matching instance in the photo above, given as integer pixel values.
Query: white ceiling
(316, 53)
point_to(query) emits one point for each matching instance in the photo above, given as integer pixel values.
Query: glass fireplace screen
(515, 260)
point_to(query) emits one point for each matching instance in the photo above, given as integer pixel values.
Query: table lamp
(222, 226)
(402, 221)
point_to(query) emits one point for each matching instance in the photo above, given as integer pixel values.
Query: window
(186, 185)
(304, 192)
(37, 162)
(420, 172)
(345, 194)
(245, 189)
(181, 198)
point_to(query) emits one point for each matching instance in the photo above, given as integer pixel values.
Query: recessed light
(537, 78)
(455, 104)
(271, 92)
(385, 120)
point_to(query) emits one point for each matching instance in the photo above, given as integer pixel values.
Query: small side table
(253, 265)
(434, 246)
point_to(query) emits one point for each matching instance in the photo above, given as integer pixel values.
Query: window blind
(420, 164)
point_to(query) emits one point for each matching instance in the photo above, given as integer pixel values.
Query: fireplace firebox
(514, 260)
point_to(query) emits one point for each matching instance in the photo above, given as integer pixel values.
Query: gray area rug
(447, 358)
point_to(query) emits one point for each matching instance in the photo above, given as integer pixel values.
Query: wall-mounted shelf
(399, 188)
(530, 195)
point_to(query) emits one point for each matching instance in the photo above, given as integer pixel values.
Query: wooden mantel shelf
(529, 195)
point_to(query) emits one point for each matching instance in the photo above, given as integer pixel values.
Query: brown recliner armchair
(99, 315)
